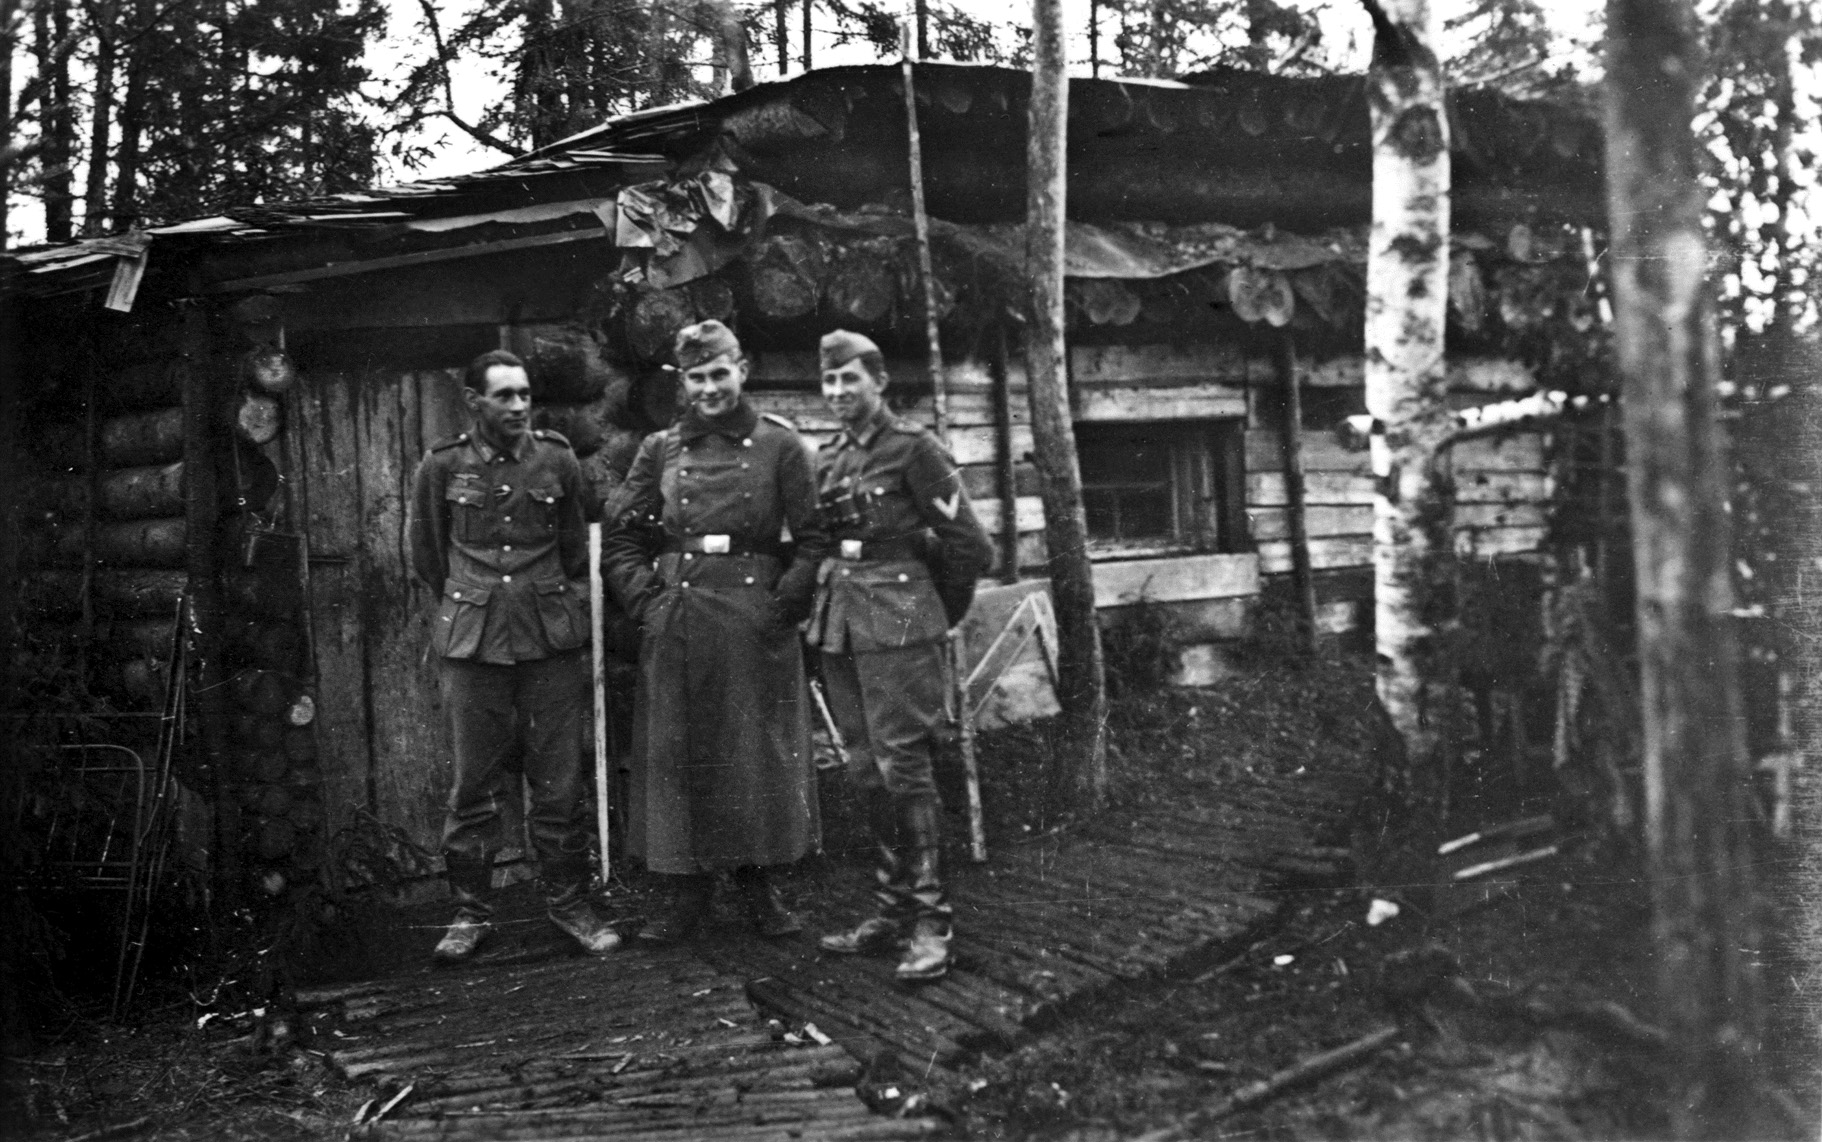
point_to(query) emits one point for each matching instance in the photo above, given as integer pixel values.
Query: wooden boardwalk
(701, 1041)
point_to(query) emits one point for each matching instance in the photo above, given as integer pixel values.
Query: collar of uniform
(737, 424)
(521, 452)
(869, 432)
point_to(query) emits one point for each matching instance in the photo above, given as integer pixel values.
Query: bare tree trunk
(8, 121)
(52, 24)
(921, 9)
(1695, 766)
(809, 10)
(1406, 393)
(781, 35)
(125, 213)
(101, 121)
(1082, 678)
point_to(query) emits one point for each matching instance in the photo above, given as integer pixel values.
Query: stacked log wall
(107, 544)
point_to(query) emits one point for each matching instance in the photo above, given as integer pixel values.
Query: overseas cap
(841, 346)
(704, 341)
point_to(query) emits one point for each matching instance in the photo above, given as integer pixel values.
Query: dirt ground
(1520, 1003)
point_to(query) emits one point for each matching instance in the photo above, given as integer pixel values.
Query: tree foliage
(141, 111)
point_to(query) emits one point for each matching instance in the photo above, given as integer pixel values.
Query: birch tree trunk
(1697, 818)
(1082, 676)
(1406, 393)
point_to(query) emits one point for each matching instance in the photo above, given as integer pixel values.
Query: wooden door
(381, 729)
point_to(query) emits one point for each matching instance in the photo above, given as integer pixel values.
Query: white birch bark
(1406, 388)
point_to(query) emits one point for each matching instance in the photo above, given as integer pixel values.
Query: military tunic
(499, 536)
(895, 504)
(722, 774)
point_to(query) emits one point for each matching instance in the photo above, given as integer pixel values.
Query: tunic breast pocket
(547, 502)
(467, 508)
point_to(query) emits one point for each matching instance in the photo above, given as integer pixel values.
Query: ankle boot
(470, 882)
(763, 905)
(927, 955)
(566, 880)
(689, 906)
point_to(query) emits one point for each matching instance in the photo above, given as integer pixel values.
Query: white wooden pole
(598, 653)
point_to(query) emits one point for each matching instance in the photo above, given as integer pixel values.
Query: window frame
(1207, 472)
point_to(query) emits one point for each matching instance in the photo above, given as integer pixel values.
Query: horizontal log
(271, 595)
(142, 438)
(300, 744)
(142, 493)
(1520, 452)
(1319, 450)
(1165, 366)
(1270, 523)
(773, 370)
(262, 733)
(139, 592)
(142, 638)
(1331, 552)
(1176, 402)
(1487, 542)
(1030, 514)
(133, 543)
(983, 481)
(146, 385)
(1465, 374)
(262, 766)
(810, 414)
(1173, 579)
(1266, 489)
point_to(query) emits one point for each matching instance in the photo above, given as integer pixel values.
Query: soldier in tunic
(497, 532)
(722, 774)
(906, 554)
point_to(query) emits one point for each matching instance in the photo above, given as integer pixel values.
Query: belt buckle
(716, 544)
(850, 548)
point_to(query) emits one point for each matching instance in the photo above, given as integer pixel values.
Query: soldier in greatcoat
(906, 554)
(722, 775)
(497, 532)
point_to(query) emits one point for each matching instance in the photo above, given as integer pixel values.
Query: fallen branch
(1316, 1066)
(118, 1130)
(1504, 863)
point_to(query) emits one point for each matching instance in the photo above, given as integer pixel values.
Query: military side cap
(703, 342)
(841, 346)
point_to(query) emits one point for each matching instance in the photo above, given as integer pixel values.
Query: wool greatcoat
(722, 774)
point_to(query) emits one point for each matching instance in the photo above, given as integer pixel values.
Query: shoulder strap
(449, 442)
(782, 422)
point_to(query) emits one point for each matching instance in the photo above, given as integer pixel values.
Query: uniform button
(903, 578)
(506, 547)
(685, 500)
(749, 580)
(748, 495)
(455, 594)
(505, 487)
(506, 578)
(685, 583)
(744, 464)
(845, 572)
(686, 555)
(747, 443)
(505, 519)
(879, 491)
(683, 471)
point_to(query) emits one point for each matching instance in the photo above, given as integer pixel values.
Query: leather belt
(879, 550)
(712, 545)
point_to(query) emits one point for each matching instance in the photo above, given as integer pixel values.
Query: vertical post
(1003, 477)
(1303, 577)
(598, 657)
(809, 10)
(781, 36)
(202, 510)
(1697, 823)
(1082, 677)
(939, 389)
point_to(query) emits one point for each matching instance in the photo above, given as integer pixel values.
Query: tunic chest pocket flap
(547, 498)
(461, 617)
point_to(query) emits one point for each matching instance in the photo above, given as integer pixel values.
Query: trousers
(538, 706)
(888, 705)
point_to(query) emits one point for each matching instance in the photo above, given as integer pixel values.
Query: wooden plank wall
(1502, 485)
(382, 733)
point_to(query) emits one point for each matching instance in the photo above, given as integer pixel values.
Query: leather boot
(927, 955)
(689, 906)
(881, 933)
(763, 906)
(566, 902)
(471, 883)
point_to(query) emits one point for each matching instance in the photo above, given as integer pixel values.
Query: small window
(1163, 487)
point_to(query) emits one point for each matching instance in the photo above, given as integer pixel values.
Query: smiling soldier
(497, 532)
(893, 501)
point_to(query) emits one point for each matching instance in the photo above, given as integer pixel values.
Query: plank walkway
(529, 1042)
